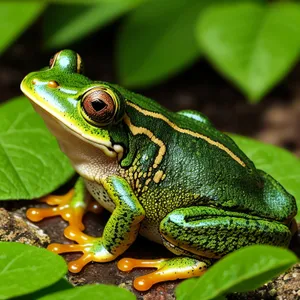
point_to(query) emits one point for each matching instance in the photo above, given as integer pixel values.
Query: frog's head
(64, 96)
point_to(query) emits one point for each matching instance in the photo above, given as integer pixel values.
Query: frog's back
(192, 163)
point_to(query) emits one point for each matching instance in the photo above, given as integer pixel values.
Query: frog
(170, 177)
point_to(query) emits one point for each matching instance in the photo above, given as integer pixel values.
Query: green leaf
(15, 17)
(73, 22)
(92, 292)
(281, 164)
(157, 40)
(243, 270)
(60, 285)
(25, 269)
(252, 44)
(31, 163)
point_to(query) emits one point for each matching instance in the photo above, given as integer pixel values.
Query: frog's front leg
(119, 233)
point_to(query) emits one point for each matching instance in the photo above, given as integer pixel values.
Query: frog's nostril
(34, 81)
(53, 84)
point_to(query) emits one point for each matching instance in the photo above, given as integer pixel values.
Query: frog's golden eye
(99, 107)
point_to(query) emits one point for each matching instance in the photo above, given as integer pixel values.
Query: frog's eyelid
(79, 64)
(54, 59)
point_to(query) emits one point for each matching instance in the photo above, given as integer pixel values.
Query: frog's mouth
(50, 115)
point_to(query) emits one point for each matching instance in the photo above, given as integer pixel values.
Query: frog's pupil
(98, 105)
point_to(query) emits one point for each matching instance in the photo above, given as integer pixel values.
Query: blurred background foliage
(253, 43)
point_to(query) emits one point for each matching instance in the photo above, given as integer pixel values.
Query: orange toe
(127, 264)
(58, 199)
(74, 234)
(66, 206)
(92, 249)
(77, 265)
(73, 215)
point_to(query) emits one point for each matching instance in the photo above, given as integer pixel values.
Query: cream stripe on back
(141, 130)
(185, 131)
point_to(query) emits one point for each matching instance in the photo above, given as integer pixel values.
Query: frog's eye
(98, 107)
(52, 60)
(68, 60)
(79, 64)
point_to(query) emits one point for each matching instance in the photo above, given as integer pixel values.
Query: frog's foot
(70, 210)
(167, 269)
(93, 249)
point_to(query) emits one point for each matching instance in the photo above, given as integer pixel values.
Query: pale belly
(148, 230)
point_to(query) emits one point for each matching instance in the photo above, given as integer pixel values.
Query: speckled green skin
(206, 204)
(198, 173)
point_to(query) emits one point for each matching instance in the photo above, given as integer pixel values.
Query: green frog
(170, 176)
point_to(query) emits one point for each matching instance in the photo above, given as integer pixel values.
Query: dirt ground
(274, 120)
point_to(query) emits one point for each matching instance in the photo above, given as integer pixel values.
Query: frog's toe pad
(88, 255)
(167, 269)
(38, 214)
(76, 265)
(73, 215)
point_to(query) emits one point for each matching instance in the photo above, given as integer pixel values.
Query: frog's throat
(105, 146)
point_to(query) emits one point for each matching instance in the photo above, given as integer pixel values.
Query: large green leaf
(252, 44)
(243, 270)
(25, 269)
(31, 163)
(15, 17)
(58, 286)
(92, 292)
(73, 22)
(281, 164)
(157, 40)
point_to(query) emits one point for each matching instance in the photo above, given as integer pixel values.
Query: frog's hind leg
(71, 206)
(210, 232)
(167, 269)
(204, 234)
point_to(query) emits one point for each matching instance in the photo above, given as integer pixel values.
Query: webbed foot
(71, 207)
(167, 269)
(93, 249)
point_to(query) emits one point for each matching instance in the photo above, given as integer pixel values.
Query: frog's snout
(27, 82)
(23, 84)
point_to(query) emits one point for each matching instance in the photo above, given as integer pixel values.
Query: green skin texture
(206, 206)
